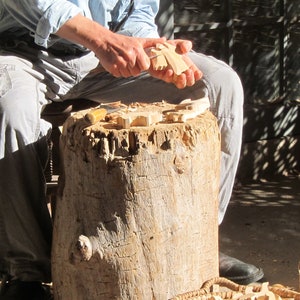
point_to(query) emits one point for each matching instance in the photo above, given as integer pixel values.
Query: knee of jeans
(20, 121)
(228, 93)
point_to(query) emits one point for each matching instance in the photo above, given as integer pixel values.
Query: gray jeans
(29, 79)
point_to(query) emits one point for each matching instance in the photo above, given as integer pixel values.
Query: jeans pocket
(5, 81)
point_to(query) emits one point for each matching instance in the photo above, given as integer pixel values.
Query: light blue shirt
(42, 18)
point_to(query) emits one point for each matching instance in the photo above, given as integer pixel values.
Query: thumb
(151, 42)
(184, 46)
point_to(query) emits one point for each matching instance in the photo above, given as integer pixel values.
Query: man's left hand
(187, 78)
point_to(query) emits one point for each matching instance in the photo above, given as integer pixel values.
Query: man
(52, 50)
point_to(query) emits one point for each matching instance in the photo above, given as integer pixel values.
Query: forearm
(122, 56)
(83, 31)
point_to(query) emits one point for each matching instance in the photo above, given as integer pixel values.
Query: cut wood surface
(137, 214)
(164, 56)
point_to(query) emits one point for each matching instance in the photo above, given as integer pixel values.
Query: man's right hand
(124, 56)
(120, 55)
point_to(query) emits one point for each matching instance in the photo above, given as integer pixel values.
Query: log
(137, 213)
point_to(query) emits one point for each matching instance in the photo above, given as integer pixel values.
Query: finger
(119, 69)
(151, 42)
(125, 73)
(198, 75)
(166, 75)
(132, 59)
(196, 72)
(130, 71)
(169, 75)
(115, 72)
(180, 81)
(190, 78)
(135, 71)
(143, 62)
(184, 46)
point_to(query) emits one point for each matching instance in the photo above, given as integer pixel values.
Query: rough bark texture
(137, 215)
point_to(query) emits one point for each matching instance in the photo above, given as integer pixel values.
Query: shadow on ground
(262, 227)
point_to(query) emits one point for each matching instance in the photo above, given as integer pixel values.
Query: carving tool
(99, 113)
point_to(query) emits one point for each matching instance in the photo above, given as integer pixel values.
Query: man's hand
(187, 78)
(120, 55)
(124, 56)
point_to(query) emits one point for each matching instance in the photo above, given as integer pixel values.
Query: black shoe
(238, 271)
(24, 290)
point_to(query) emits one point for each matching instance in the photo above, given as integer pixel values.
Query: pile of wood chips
(144, 114)
(221, 288)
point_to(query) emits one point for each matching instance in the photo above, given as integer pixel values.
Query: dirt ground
(262, 227)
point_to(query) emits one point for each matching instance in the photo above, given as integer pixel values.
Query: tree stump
(137, 213)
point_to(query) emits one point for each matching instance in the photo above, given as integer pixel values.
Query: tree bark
(137, 214)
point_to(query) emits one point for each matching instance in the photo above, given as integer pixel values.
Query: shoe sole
(249, 279)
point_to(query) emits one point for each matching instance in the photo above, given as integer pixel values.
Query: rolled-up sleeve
(141, 22)
(41, 17)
